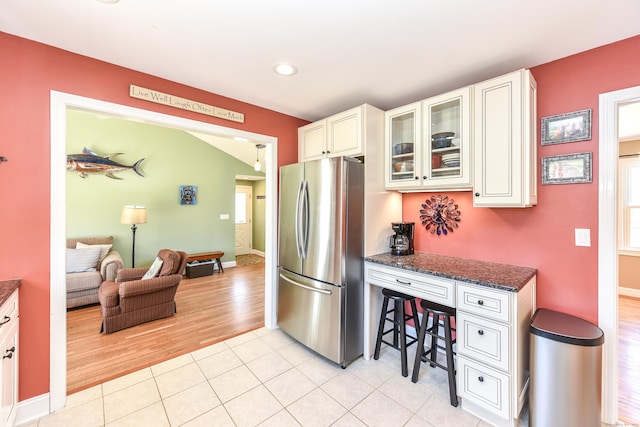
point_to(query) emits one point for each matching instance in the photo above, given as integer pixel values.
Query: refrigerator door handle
(308, 288)
(305, 219)
(297, 219)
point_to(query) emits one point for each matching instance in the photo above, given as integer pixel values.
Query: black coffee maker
(401, 243)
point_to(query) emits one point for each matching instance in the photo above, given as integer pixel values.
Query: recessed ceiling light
(285, 69)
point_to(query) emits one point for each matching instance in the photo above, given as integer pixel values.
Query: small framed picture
(567, 169)
(188, 194)
(570, 127)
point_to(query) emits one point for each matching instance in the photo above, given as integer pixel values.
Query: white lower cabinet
(485, 387)
(9, 352)
(492, 336)
(493, 350)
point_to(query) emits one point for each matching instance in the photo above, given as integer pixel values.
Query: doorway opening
(60, 104)
(244, 220)
(608, 242)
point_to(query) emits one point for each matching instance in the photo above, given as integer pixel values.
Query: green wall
(172, 158)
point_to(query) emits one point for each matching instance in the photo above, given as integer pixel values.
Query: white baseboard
(226, 264)
(629, 292)
(31, 409)
(257, 252)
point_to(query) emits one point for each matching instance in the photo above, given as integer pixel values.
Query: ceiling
(382, 52)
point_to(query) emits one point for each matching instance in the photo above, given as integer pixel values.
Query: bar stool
(437, 312)
(400, 338)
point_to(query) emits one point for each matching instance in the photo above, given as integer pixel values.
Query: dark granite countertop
(500, 276)
(7, 287)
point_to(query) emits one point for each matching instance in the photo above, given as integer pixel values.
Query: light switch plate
(583, 237)
(224, 216)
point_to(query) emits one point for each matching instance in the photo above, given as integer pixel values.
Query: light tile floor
(264, 378)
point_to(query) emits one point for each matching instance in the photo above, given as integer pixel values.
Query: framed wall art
(188, 194)
(569, 127)
(566, 169)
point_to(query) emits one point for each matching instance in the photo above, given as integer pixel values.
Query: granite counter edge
(7, 287)
(531, 272)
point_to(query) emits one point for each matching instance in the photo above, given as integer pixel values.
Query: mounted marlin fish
(90, 163)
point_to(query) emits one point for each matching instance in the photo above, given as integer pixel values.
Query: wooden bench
(202, 256)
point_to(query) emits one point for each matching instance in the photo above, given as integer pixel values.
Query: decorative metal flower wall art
(440, 215)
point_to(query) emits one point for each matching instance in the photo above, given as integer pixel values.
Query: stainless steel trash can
(565, 371)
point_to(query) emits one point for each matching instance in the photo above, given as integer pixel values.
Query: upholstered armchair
(85, 274)
(130, 300)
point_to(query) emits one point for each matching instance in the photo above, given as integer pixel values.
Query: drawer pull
(480, 332)
(9, 353)
(480, 302)
(403, 282)
(6, 319)
(481, 379)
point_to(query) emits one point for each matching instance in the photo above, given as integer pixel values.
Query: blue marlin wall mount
(90, 163)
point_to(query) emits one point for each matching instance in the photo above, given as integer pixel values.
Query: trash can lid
(565, 328)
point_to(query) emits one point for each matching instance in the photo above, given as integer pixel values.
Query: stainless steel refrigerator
(321, 249)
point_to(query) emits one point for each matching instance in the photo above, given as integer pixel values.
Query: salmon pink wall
(29, 72)
(543, 236)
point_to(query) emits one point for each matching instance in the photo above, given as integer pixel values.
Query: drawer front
(484, 340)
(485, 302)
(425, 286)
(9, 312)
(484, 386)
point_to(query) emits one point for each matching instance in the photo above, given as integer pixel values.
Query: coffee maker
(401, 243)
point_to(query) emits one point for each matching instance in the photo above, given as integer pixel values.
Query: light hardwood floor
(629, 360)
(209, 309)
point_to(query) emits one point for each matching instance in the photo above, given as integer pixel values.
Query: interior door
(244, 236)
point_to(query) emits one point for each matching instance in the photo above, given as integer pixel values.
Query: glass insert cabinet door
(445, 155)
(403, 145)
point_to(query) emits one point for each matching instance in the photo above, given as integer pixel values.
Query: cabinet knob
(416, 177)
(477, 194)
(9, 353)
(481, 379)
(328, 152)
(324, 152)
(480, 332)
(6, 319)
(424, 177)
(480, 302)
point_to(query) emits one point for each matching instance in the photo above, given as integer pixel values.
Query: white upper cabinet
(427, 144)
(402, 147)
(342, 134)
(504, 146)
(481, 137)
(312, 141)
(446, 157)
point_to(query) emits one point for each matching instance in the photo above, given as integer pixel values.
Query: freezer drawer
(312, 313)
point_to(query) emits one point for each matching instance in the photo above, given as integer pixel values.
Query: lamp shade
(133, 215)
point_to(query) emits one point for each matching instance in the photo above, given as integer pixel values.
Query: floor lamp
(133, 215)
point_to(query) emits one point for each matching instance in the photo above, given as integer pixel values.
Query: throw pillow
(82, 260)
(104, 250)
(153, 270)
(171, 261)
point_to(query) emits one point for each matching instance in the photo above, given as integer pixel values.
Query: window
(241, 208)
(629, 199)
